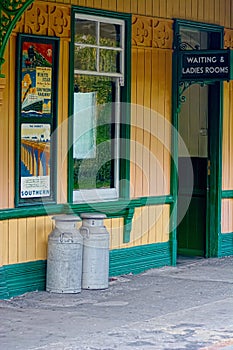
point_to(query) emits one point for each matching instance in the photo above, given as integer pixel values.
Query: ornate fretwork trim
(228, 39)
(10, 12)
(152, 32)
(46, 19)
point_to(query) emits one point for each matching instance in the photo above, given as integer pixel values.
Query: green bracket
(128, 217)
(10, 13)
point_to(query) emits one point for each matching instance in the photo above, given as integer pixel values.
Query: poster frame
(43, 62)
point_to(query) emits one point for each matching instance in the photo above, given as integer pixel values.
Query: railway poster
(36, 79)
(36, 111)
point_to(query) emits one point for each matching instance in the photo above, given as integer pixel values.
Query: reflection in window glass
(86, 32)
(109, 61)
(110, 35)
(85, 58)
(93, 132)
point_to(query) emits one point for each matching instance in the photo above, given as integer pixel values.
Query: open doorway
(199, 125)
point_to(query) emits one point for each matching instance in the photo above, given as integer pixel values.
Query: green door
(193, 128)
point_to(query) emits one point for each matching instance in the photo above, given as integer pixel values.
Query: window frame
(123, 133)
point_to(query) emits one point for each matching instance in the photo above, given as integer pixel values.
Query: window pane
(85, 58)
(110, 35)
(109, 61)
(93, 132)
(195, 39)
(85, 31)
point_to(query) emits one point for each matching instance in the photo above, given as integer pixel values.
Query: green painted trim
(226, 244)
(17, 279)
(227, 194)
(113, 208)
(10, 13)
(124, 190)
(137, 259)
(128, 218)
(198, 25)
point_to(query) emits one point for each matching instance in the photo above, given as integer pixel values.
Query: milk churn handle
(86, 229)
(62, 237)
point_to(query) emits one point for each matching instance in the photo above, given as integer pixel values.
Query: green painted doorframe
(214, 196)
(10, 13)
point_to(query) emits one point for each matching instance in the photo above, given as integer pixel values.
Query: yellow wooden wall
(26, 239)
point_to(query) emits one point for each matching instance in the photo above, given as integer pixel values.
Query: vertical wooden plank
(31, 239)
(160, 122)
(156, 8)
(120, 5)
(41, 241)
(141, 7)
(134, 6)
(139, 128)
(217, 11)
(168, 118)
(105, 4)
(194, 9)
(222, 12)
(112, 5)
(149, 7)
(144, 226)
(89, 3)
(165, 218)
(163, 8)
(133, 122)
(151, 224)
(108, 225)
(127, 6)
(182, 8)
(135, 238)
(97, 4)
(121, 233)
(170, 8)
(146, 124)
(4, 239)
(22, 240)
(200, 10)
(13, 242)
(4, 168)
(154, 116)
(188, 9)
(176, 8)
(82, 2)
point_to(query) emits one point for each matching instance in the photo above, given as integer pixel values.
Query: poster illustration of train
(36, 79)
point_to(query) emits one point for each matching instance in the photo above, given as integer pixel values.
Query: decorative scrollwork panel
(152, 32)
(228, 39)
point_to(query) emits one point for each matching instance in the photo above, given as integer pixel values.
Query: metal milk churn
(64, 263)
(95, 273)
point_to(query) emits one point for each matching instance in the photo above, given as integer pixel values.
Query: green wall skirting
(226, 244)
(138, 259)
(17, 279)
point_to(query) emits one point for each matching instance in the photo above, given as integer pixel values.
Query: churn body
(64, 263)
(95, 273)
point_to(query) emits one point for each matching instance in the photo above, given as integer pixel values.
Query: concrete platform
(185, 307)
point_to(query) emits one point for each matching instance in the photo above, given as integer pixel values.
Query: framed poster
(36, 110)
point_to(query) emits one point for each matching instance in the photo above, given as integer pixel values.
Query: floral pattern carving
(45, 19)
(228, 38)
(142, 31)
(152, 32)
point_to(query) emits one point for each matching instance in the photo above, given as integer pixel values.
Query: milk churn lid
(95, 216)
